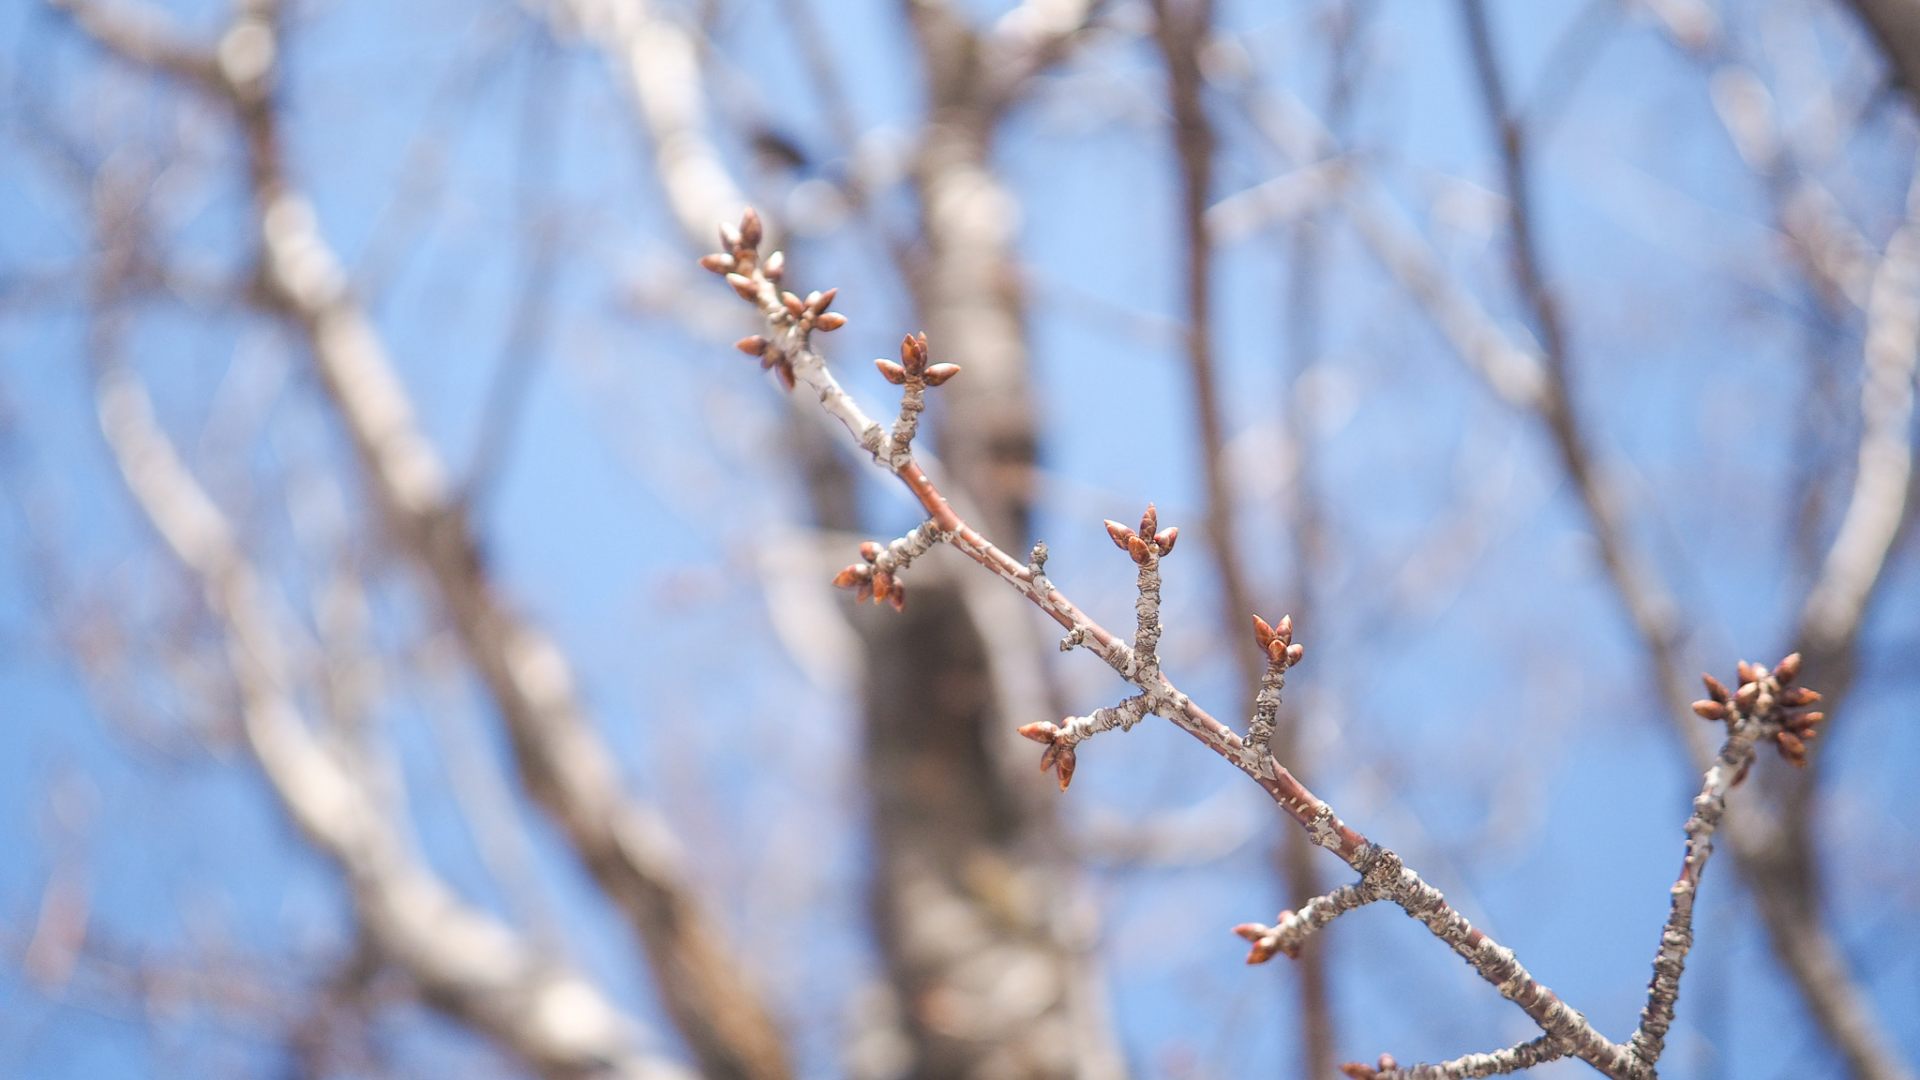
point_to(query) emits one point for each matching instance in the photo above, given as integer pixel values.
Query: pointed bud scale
(1165, 538)
(1798, 696)
(1710, 710)
(1262, 633)
(863, 592)
(1064, 766)
(869, 550)
(1048, 756)
(938, 374)
(1276, 651)
(819, 302)
(1716, 689)
(1744, 698)
(1788, 669)
(1119, 533)
(752, 346)
(1284, 631)
(1813, 719)
(891, 371)
(1150, 521)
(1296, 652)
(750, 230)
(882, 585)
(1751, 672)
(1353, 1070)
(1039, 731)
(1137, 549)
(784, 372)
(1791, 747)
(729, 237)
(794, 305)
(897, 599)
(830, 322)
(743, 286)
(913, 357)
(776, 265)
(1251, 931)
(717, 262)
(850, 576)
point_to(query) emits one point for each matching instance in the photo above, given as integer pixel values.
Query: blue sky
(1490, 718)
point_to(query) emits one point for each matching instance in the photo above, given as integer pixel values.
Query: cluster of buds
(1356, 1071)
(1060, 739)
(877, 576)
(1771, 697)
(739, 261)
(1277, 642)
(870, 581)
(1265, 941)
(1144, 543)
(913, 366)
(1057, 757)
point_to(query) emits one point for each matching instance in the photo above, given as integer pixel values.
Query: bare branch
(1380, 869)
(469, 965)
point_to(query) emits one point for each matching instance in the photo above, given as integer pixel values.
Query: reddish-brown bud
(1353, 1070)
(897, 599)
(1150, 521)
(1119, 533)
(1064, 767)
(717, 262)
(870, 550)
(891, 371)
(784, 372)
(752, 346)
(750, 230)
(743, 286)
(830, 321)
(819, 302)
(1798, 696)
(1166, 538)
(1745, 697)
(1296, 652)
(1811, 720)
(1791, 747)
(1710, 710)
(1284, 629)
(794, 305)
(1751, 672)
(776, 266)
(729, 238)
(1138, 550)
(938, 374)
(1788, 669)
(1276, 651)
(882, 586)
(849, 577)
(1262, 633)
(1716, 689)
(1040, 731)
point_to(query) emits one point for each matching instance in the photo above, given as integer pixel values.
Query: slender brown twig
(791, 321)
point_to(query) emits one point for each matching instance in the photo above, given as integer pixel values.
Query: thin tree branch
(791, 322)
